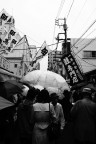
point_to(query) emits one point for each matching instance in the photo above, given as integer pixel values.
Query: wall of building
(84, 53)
(87, 63)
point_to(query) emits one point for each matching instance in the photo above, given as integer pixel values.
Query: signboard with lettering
(4, 63)
(72, 69)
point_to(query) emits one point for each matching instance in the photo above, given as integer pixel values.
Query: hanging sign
(72, 69)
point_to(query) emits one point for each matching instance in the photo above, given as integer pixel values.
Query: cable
(60, 8)
(28, 36)
(88, 19)
(53, 34)
(86, 45)
(78, 63)
(58, 13)
(77, 56)
(86, 37)
(70, 9)
(86, 61)
(45, 55)
(79, 13)
(83, 34)
(37, 47)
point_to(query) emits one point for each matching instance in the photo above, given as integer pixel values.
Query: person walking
(60, 120)
(24, 127)
(83, 115)
(41, 118)
(66, 105)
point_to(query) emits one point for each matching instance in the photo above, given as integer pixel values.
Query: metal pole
(65, 41)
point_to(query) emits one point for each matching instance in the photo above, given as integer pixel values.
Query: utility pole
(62, 36)
(64, 45)
(65, 49)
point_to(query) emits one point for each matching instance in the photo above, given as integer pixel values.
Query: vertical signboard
(72, 69)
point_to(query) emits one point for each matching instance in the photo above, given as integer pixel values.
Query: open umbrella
(4, 103)
(46, 79)
(11, 87)
(39, 87)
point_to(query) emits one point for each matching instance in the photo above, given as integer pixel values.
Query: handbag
(53, 129)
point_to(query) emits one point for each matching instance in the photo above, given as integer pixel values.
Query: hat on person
(54, 96)
(87, 90)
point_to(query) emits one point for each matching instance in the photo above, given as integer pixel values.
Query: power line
(83, 34)
(60, 8)
(70, 9)
(53, 34)
(28, 36)
(86, 45)
(85, 37)
(38, 47)
(88, 19)
(48, 53)
(86, 61)
(79, 13)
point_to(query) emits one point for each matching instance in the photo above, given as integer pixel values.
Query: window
(89, 54)
(15, 65)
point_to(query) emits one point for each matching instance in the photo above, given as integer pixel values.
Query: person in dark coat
(24, 116)
(83, 115)
(6, 118)
(66, 105)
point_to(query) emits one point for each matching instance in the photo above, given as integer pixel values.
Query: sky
(36, 19)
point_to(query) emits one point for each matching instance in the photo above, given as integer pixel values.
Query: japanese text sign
(72, 69)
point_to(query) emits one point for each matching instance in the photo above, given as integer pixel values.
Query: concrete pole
(64, 50)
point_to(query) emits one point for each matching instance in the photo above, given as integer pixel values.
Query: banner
(4, 17)
(72, 69)
(40, 54)
(43, 51)
(11, 39)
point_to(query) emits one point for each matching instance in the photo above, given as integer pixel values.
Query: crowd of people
(28, 120)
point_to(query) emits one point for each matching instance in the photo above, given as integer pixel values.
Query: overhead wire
(51, 50)
(60, 8)
(86, 37)
(61, 42)
(28, 36)
(88, 27)
(58, 14)
(88, 18)
(70, 9)
(40, 46)
(59, 11)
(86, 61)
(86, 45)
(80, 66)
(83, 34)
(79, 13)
(75, 54)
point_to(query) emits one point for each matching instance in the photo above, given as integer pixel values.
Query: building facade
(84, 53)
(20, 58)
(55, 63)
